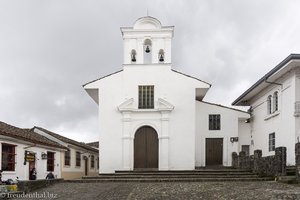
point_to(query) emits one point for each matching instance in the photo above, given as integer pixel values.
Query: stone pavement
(172, 190)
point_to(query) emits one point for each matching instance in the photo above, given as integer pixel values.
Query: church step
(170, 176)
(187, 171)
(168, 180)
(291, 170)
(287, 179)
(175, 174)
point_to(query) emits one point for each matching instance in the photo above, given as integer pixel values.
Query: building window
(146, 97)
(272, 142)
(8, 157)
(214, 122)
(269, 104)
(92, 161)
(275, 101)
(98, 163)
(246, 149)
(67, 158)
(78, 159)
(50, 161)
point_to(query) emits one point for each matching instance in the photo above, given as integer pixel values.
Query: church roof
(102, 77)
(122, 70)
(219, 105)
(191, 77)
(147, 22)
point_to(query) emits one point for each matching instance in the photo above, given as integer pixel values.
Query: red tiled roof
(93, 144)
(26, 135)
(67, 140)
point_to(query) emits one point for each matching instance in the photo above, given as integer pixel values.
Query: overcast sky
(49, 49)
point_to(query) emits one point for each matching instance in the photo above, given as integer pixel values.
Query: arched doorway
(145, 148)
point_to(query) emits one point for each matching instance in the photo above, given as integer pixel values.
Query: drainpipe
(266, 81)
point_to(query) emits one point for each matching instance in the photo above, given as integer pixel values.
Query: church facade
(153, 117)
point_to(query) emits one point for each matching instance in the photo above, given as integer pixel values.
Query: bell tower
(147, 42)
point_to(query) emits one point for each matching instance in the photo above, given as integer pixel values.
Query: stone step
(168, 180)
(188, 171)
(291, 170)
(179, 174)
(291, 173)
(287, 179)
(169, 176)
(293, 167)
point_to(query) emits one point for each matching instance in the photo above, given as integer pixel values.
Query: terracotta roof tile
(26, 135)
(67, 140)
(93, 144)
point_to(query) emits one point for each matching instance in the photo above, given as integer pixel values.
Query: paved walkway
(173, 190)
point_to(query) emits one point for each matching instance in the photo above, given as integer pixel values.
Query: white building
(230, 133)
(151, 116)
(78, 160)
(22, 150)
(274, 102)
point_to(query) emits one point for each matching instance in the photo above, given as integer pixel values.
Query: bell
(147, 49)
(133, 59)
(161, 58)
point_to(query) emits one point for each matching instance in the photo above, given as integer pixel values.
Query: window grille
(214, 122)
(146, 97)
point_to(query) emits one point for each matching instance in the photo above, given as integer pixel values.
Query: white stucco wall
(72, 167)
(21, 170)
(282, 122)
(147, 28)
(73, 171)
(244, 134)
(230, 127)
(297, 99)
(176, 129)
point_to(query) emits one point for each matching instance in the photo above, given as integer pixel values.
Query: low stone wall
(29, 186)
(297, 154)
(263, 166)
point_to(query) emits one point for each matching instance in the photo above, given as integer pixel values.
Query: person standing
(33, 174)
(50, 175)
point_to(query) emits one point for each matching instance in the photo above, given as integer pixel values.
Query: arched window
(133, 55)
(269, 104)
(147, 51)
(275, 101)
(161, 56)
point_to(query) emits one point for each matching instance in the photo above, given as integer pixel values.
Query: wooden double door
(214, 152)
(146, 148)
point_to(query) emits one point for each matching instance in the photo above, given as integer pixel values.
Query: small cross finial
(147, 12)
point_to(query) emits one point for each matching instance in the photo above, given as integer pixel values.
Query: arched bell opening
(133, 56)
(147, 51)
(161, 56)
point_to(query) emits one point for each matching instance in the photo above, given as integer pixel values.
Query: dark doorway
(145, 148)
(214, 151)
(86, 166)
(31, 166)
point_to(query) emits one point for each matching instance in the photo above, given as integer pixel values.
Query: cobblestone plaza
(173, 190)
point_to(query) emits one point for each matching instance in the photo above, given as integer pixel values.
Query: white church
(153, 117)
